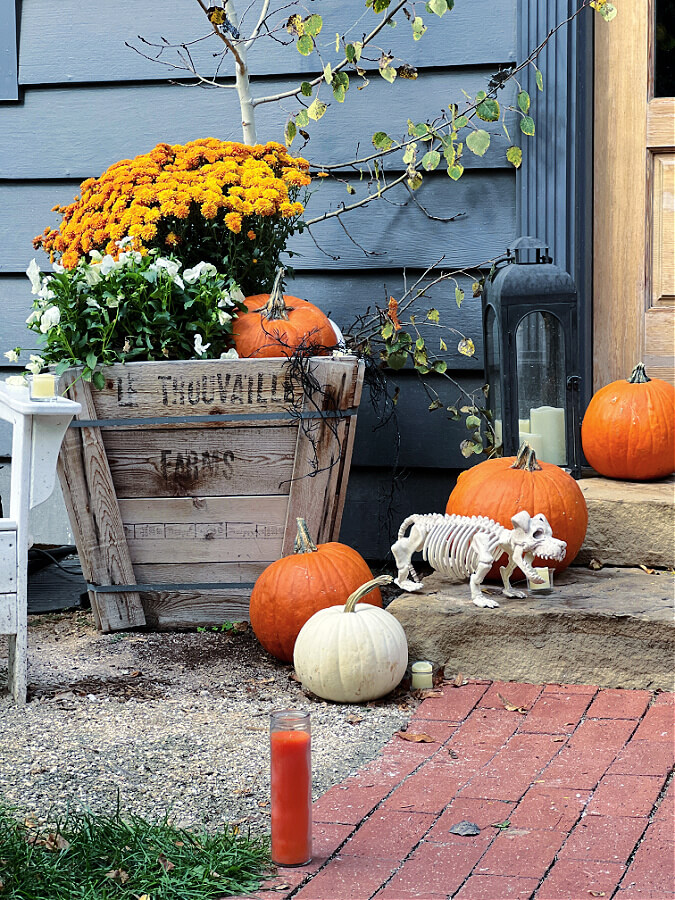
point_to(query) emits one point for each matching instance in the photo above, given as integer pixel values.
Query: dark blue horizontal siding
(80, 42)
(77, 133)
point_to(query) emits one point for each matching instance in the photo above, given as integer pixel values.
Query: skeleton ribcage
(448, 546)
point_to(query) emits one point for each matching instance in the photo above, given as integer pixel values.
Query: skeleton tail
(406, 524)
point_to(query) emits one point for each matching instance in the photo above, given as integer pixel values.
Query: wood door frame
(628, 124)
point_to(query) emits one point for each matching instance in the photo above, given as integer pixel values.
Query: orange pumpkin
(293, 588)
(629, 428)
(278, 324)
(500, 488)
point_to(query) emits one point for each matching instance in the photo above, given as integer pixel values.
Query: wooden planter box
(183, 480)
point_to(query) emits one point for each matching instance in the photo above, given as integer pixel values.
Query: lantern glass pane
(493, 372)
(540, 362)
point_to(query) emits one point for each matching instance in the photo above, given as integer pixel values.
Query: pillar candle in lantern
(291, 782)
(549, 421)
(535, 441)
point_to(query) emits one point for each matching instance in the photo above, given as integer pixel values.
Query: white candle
(546, 585)
(535, 441)
(42, 386)
(422, 675)
(523, 425)
(549, 422)
(498, 432)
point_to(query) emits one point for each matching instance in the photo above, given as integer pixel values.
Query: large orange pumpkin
(279, 324)
(500, 488)
(292, 589)
(629, 428)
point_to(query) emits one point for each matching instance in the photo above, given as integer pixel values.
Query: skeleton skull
(532, 536)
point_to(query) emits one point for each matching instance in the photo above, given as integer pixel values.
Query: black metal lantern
(532, 367)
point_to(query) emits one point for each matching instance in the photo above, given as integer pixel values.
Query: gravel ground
(172, 722)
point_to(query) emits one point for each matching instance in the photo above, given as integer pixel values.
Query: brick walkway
(578, 778)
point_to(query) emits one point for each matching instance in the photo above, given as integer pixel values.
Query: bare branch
(347, 208)
(259, 24)
(228, 43)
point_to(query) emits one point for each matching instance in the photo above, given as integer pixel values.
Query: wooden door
(634, 192)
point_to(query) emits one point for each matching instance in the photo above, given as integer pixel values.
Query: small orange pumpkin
(629, 428)
(293, 588)
(279, 324)
(500, 488)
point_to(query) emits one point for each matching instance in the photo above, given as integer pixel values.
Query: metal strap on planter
(232, 417)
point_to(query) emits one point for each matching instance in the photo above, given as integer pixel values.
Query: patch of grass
(87, 856)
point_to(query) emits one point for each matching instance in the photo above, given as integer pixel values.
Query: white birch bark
(242, 81)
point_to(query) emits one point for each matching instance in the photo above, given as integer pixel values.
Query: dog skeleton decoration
(466, 547)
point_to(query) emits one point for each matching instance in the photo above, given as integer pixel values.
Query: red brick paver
(571, 790)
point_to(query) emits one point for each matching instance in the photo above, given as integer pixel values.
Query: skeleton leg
(403, 551)
(506, 572)
(485, 561)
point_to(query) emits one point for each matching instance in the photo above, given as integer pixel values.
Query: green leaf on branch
(91, 359)
(435, 404)
(431, 160)
(340, 86)
(415, 178)
(418, 28)
(478, 142)
(396, 360)
(316, 109)
(467, 448)
(328, 73)
(306, 89)
(461, 122)
(388, 73)
(524, 101)
(419, 130)
(438, 7)
(387, 331)
(459, 295)
(476, 288)
(539, 78)
(305, 44)
(434, 316)
(443, 346)
(353, 51)
(313, 25)
(440, 367)
(515, 156)
(380, 5)
(466, 347)
(302, 119)
(472, 421)
(382, 141)
(456, 171)
(488, 110)
(527, 125)
(290, 132)
(98, 380)
(410, 152)
(419, 343)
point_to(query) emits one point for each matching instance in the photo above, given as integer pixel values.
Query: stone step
(611, 627)
(630, 523)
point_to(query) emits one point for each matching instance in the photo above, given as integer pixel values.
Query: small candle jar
(42, 386)
(291, 785)
(547, 584)
(422, 675)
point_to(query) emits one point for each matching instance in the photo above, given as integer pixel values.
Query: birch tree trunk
(242, 82)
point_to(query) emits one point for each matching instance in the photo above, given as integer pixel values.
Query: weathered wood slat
(394, 236)
(199, 573)
(173, 610)
(200, 510)
(94, 50)
(206, 545)
(95, 519)
(193, 462)
(137, 119)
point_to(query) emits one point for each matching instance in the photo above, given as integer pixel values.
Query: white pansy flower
(202, 268)
(93, 302)
(112, 302)
(179, 281)
(230, 354)
(50, 318)
(36, 364)
(12, 355)
(200, 348)
(58, 268)
(132, 256)
(96, 256)
(108, 265)
(125, 241)
(237, 294)
(225, 300)
(35, 316)
(171, 267)
(33, 272)
(223, 317)
(45, 292)
(92, 275)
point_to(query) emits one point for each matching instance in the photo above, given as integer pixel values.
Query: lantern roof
(526, 272)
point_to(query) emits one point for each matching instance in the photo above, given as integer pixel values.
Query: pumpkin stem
(638, 376)
(303, 542)
(354, 598)
(526, 459)
(276, 308)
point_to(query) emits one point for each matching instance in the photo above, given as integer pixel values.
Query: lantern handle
(517, 252)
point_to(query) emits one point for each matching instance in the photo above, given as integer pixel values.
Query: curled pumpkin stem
(303, 542)
(638, 375)
(526, 459)
(354, 598)
(276, 308)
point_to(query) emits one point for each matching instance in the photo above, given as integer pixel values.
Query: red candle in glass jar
(291, 771)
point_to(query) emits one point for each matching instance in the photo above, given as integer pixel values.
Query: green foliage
(137, 308)
(527, 125)
(515, 156)
(478, 142)
(105, 857)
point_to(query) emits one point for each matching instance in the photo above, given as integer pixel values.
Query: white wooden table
(38, 429)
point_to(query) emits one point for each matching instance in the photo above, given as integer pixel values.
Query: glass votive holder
(422, 675)
(547, 585)
(42, 386)
(291, 787)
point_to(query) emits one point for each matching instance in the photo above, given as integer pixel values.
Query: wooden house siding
(85, 101)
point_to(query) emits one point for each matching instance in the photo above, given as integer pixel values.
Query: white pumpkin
(354, 653)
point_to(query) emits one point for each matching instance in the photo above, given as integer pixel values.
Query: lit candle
(291, 783)
(422, 675)
(549, 421)
(523, 425)
(535, 441)
(42, 387)
(547, 583)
